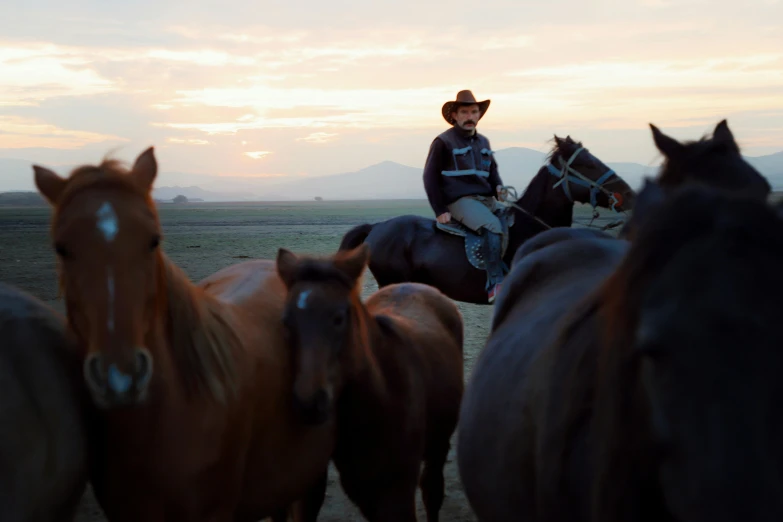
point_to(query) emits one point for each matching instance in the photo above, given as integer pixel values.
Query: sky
(281, 89)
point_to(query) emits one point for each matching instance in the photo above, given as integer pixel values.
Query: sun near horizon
(285, 91)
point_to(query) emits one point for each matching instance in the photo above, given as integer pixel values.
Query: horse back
(502, 397)
(429, 327)
(43, 446)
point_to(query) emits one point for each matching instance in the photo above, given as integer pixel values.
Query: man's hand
(444, 218)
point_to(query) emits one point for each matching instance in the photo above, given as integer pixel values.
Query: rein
(508, 189)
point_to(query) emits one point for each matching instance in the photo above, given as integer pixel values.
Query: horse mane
(536, 190)
(593, 347)
(202, 339)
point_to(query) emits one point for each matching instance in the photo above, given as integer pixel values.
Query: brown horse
(194, 380)
(44, 434)
(390, 372)
(538, 466)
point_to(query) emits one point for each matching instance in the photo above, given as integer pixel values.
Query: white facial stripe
(107, 221)
(301, 303)
(110, 288)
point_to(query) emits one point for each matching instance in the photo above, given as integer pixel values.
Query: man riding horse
(462, 181)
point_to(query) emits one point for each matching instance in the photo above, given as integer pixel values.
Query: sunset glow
(274, 91)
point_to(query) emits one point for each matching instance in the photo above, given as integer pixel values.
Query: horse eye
(155, 242)
(339, 318)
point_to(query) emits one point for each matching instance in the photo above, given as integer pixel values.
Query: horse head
(585, 178)
(715, 161)
(688, 391)
(324, 323)
(106, 233)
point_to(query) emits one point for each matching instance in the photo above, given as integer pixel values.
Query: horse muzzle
(111, 387)
(314, 410)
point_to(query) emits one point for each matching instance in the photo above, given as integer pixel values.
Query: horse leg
(432, 482)
(307, 508)
(279, 516)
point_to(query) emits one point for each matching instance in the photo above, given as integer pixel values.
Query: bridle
(567, 174)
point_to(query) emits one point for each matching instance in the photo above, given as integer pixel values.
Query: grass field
(204, 237)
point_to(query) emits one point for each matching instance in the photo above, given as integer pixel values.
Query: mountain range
(385, 180)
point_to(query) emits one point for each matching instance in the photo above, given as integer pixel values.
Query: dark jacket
(459, 165)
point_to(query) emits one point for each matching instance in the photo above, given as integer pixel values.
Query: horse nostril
(93, 370)
(321, 402)
(143, 368)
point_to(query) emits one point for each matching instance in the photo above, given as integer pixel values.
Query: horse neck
(546, 202)
(365, 376)
(194, 335)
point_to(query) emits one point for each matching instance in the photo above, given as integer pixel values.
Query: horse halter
(568, 173)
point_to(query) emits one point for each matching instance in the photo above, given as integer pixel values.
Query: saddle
(474, 240)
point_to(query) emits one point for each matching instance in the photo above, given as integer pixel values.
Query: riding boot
(493, 260)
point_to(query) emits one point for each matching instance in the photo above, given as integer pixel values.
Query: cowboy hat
(463, 98)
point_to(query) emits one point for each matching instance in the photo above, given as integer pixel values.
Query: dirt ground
(203, 238)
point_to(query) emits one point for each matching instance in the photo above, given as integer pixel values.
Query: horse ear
(354, 262)
(286, 266)
(669, 147)
(145, 169)
(49, 184)
(724, 135)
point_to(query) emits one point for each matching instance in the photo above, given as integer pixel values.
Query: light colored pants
(476, 212)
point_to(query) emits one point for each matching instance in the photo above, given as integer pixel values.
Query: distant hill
(390, 180)
(21, 199)
(198, 194)
(385, 180)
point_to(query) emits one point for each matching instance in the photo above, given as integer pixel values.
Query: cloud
(318, 137)
(366, 82)
(258, 154)
(188, 141)
(17, 133)
(35, 73)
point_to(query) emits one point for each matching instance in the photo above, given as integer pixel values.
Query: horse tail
(355, 237)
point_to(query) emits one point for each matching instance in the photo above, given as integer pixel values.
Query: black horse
(448, 257)
(710, 254)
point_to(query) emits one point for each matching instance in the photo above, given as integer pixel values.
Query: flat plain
(204, 237)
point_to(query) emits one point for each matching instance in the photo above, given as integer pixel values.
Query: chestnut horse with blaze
(193, 381)
(389, 371)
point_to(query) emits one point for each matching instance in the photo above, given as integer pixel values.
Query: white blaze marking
(109, 226)
(302, 302)
(107, 221)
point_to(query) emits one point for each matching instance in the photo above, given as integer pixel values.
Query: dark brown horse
(43, 413)
(193, 380)
(548, 332)
(390, 372)
(414, 248)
